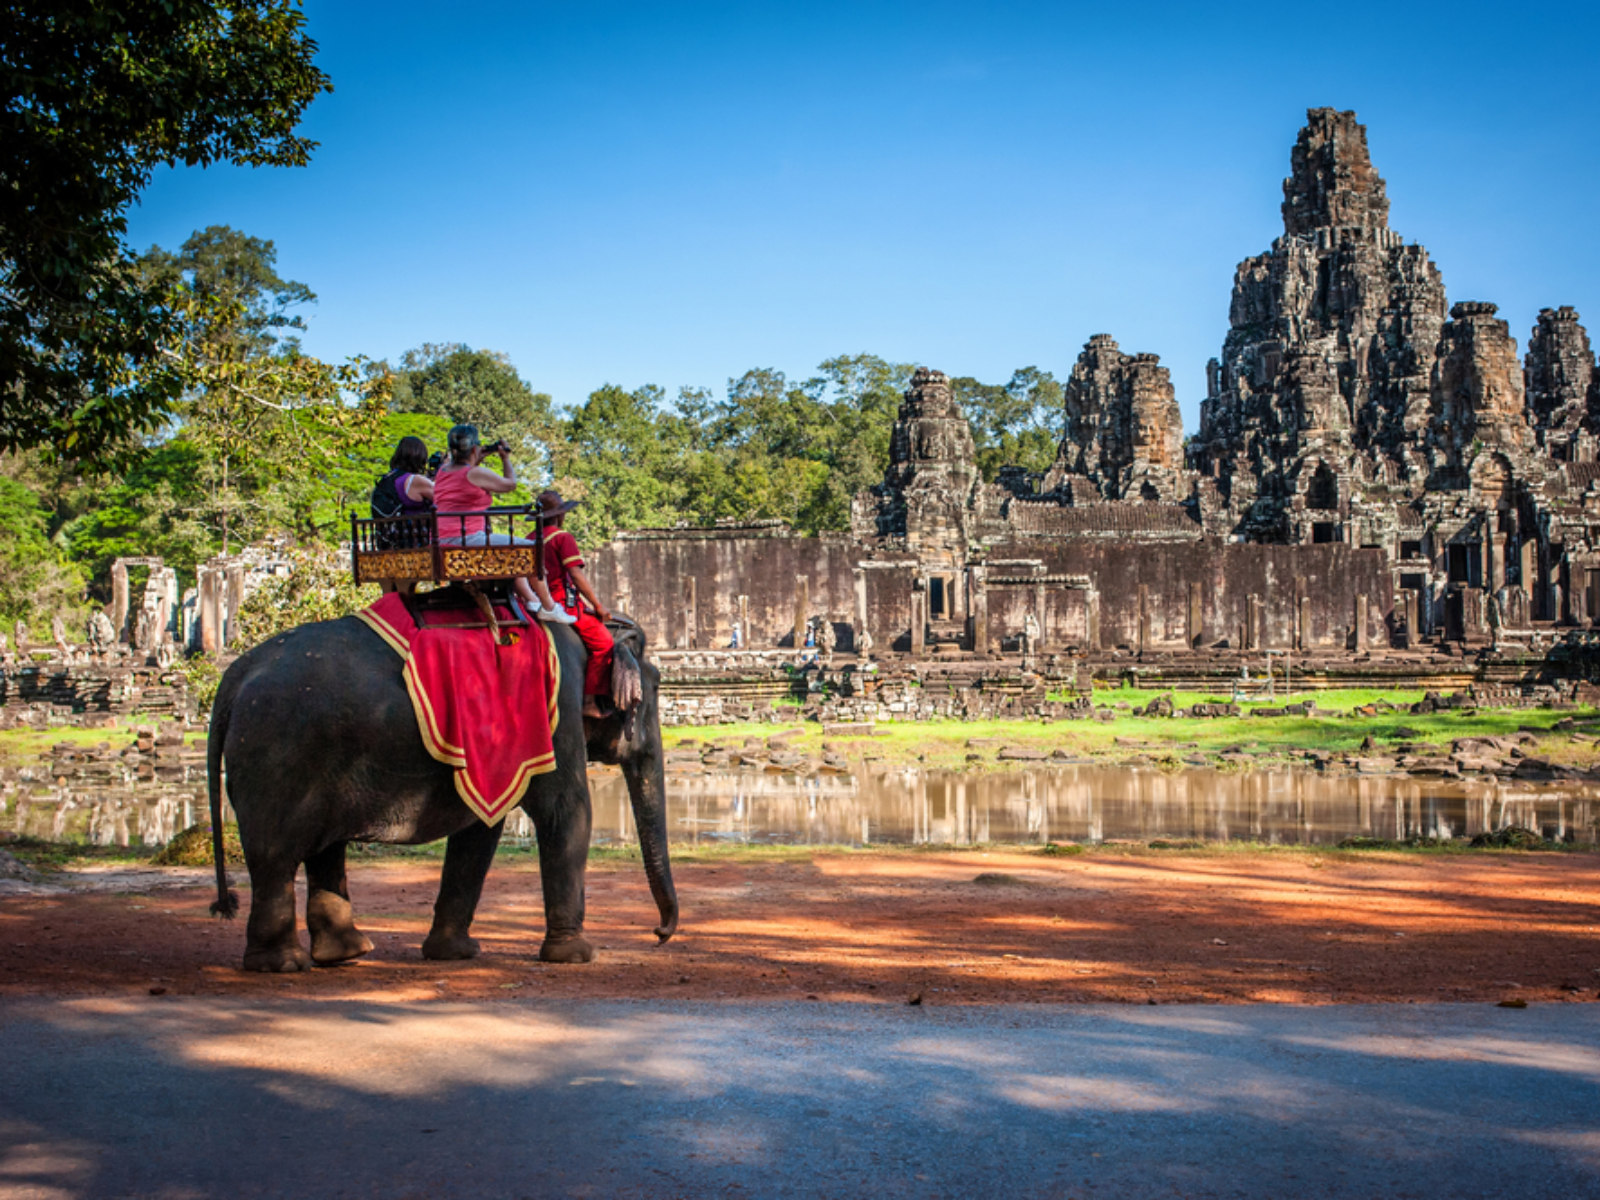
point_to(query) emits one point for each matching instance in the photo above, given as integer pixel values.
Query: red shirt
(560, 552)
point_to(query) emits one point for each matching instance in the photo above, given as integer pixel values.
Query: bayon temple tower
(1375, 470)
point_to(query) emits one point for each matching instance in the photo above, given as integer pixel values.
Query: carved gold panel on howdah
(374, 566)
(488, 562)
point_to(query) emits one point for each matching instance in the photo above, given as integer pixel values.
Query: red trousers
(597, 638)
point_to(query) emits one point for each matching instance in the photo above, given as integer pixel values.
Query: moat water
(108, 805)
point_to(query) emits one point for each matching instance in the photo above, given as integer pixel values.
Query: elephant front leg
(329, 916)
(563, 831)
(467, 857)
(272, 941)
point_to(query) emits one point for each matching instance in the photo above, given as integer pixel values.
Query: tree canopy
(96, 94)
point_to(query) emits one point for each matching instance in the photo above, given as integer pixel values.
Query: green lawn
(944, 743)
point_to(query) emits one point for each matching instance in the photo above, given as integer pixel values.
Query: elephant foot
(447, 947)
(334, 936)
(566, 950)
(332, 946)
(277, 958)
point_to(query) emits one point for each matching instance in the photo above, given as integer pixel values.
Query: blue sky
(677, 193)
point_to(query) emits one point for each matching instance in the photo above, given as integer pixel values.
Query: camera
(498, 446)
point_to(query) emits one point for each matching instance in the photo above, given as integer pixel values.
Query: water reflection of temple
(1091, 804)
(912, 806)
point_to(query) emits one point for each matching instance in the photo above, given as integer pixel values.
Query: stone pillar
(1091, 603)
(745, 639)
(1252, 623)
(1194, 630)
(860, 577)
(119, 599)
(978, 592)
(919, 616)
(210, 609)
(1408, 614)
(691, 613)
(1361, 623)
(1493, 563)
(1307, 640)
(802, 609)
(235, 599)
(1144, 617)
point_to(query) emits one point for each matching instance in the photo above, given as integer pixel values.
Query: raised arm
(496, 484)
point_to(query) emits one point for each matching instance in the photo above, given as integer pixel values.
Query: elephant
(321, 747)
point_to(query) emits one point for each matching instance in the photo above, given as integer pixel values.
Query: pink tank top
(454, 492)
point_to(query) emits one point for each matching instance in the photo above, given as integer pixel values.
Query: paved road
(208, 1097)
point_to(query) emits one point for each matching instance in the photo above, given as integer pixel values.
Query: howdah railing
(437, 547)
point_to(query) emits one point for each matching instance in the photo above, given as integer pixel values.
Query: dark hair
(462, 441)
(410, 455)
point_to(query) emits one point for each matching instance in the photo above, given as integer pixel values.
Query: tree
(36, 580)
(267, 423)
(626, 474)
(482, 388)
(233, 278)
(1019, 424)
(96, 94)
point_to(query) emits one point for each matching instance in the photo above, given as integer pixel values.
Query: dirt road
(884, 927)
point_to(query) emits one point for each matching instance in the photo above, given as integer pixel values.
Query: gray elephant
(322, 749)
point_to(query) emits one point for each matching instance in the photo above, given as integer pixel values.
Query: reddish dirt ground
(959, 928)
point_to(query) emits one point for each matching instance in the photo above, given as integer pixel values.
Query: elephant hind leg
(272, 940)
(329, 916)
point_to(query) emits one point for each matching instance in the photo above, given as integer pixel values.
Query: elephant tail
(227, 902)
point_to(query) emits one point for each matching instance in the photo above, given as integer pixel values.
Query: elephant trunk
(647, 791)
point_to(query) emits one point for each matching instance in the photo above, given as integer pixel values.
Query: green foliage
(344, 485)
(98, 94)
(234, 279)
(267, 424)
(36, 580)
(159, 508)
(193, 848)
(615, 459)
(1019, 424)
(318, 587)
(772, 449)
(482, 388)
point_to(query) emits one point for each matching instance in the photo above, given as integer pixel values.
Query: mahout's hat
(552, 505)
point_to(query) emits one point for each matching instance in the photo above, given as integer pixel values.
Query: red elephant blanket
(486, 710)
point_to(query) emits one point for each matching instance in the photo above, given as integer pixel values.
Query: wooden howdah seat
(427, 548)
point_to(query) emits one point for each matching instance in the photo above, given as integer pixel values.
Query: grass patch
(944, 743)
(53, 856)
(26, 743)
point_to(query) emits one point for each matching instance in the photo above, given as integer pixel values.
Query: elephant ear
(627, 680)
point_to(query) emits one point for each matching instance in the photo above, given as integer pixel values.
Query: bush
(192, 848)
(318, 587)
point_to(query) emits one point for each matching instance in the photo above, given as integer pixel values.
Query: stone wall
(689, 587)
(1193, 595)
(57, 694)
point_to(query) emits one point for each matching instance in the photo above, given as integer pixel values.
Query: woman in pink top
(463, 484)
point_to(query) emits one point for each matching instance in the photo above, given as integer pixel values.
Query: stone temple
(1377, 478)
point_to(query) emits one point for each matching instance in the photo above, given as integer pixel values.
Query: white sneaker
(557, 616)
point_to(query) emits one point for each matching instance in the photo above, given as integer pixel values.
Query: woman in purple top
(408, 464)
